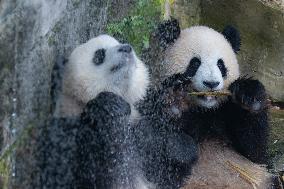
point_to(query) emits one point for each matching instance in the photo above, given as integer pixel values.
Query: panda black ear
(233, 36)
(168, 32)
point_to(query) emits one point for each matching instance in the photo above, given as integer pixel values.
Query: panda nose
(211, 84)
(125, 48)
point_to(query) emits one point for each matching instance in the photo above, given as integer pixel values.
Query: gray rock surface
(33, 33)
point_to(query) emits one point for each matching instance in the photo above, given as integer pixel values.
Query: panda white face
(207, 59)
(209, 76)
(103, 64)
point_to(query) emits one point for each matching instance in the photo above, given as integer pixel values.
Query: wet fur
(227, 133)
(82, 80)
(86, 135)
(236, 129)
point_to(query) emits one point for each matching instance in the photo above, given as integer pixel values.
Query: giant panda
(101, 64)
(83, 147)
(202, 141)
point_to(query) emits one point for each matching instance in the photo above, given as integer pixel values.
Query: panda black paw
(105, 106)
(168, 31)
(249, 94)
(181, 148)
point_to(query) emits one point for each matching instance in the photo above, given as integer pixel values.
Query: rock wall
(33, 33)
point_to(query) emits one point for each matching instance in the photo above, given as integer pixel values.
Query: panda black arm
(167, 155)
(167, 152)
(99, 141)
(248, 119)
(55, 153)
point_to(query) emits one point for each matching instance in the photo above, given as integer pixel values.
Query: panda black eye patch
(222, 67)
(192, 67)
(99, 56)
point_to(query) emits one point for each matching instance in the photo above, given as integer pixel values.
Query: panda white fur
(101, 64)
(197, 44)
(231, 133)
(86, 145)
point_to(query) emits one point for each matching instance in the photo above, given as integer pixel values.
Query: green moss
(187, 12)
(276, 147)
(75, 3)
(55, 30)
(4, 173)
(137, 26)
(57, 27)
(5, 166)
(51, 40)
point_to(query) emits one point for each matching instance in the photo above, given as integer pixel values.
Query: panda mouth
(117, 67)
(206, 97)
(123, 64)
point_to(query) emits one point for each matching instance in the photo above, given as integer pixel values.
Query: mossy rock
(276, 146)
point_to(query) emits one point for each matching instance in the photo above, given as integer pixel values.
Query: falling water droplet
(14, 131)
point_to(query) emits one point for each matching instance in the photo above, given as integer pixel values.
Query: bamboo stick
(214, 93)
(167, 14)
(244, 174)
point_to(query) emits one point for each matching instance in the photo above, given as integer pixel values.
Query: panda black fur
(83, 146)
(228, 132)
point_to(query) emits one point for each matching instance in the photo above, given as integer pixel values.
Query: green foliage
(7, 154)
(276, 146)
(75, 3)
(51, 40)
(4, 172)
(137, 26)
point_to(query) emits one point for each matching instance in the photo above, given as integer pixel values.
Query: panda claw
(256, 106)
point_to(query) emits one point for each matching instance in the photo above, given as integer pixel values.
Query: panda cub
(86, 145)
(101, 64)
(203, 141)
(105, 157)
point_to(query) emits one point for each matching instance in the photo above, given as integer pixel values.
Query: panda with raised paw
(86, 143)
(105, 157)
(101, 64)
(202, 141)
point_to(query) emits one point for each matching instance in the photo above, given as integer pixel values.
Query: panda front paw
(181, 148)
(106, 106)
(249, 94)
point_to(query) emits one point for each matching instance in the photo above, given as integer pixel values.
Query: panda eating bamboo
(203, 126)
